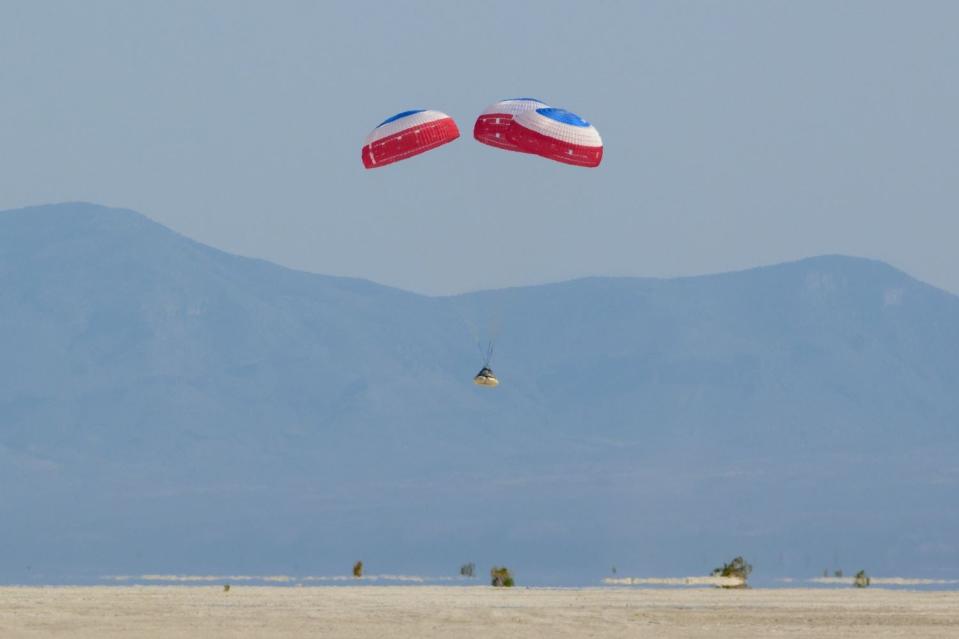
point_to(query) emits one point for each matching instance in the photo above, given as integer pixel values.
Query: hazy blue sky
(737, 133)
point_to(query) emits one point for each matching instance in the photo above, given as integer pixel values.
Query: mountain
(167, 407)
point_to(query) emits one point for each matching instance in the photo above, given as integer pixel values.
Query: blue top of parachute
(564, 116)
(398, 116)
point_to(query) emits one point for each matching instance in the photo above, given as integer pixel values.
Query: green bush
(358, 569)
(738, 567)
(501, 577)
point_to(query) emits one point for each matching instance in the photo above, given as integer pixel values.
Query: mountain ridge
(70, 208)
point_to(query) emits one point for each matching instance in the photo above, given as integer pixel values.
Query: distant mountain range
(167, 407)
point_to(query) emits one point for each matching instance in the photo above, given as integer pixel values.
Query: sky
(736, 133)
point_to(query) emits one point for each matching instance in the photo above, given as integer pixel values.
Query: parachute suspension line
(474, 331)
(489, 355)
(479, 349)
(495, 319)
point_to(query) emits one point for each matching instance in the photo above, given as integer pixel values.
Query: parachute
(556, 134)
(528, 125)
(492, 124)
(407, 134)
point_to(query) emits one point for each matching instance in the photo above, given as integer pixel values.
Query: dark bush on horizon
(738, 568)
(468, 570)
(358, 569)
(501, 577)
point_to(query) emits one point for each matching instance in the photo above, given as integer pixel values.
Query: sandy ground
(424, 611)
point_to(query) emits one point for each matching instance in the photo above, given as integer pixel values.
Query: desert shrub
(738, 567)
(468, 570)
(358, 569)
(501, 577)
(861, 580)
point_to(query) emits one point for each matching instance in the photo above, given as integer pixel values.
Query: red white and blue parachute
(526, 125)
(493, 123)
(557, 134)
(407, 134)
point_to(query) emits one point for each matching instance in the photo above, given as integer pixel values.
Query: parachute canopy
(556, 134)
(486, 378)
(492, 124)
(407, 134)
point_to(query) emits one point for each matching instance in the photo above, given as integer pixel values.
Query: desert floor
(423, 611)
